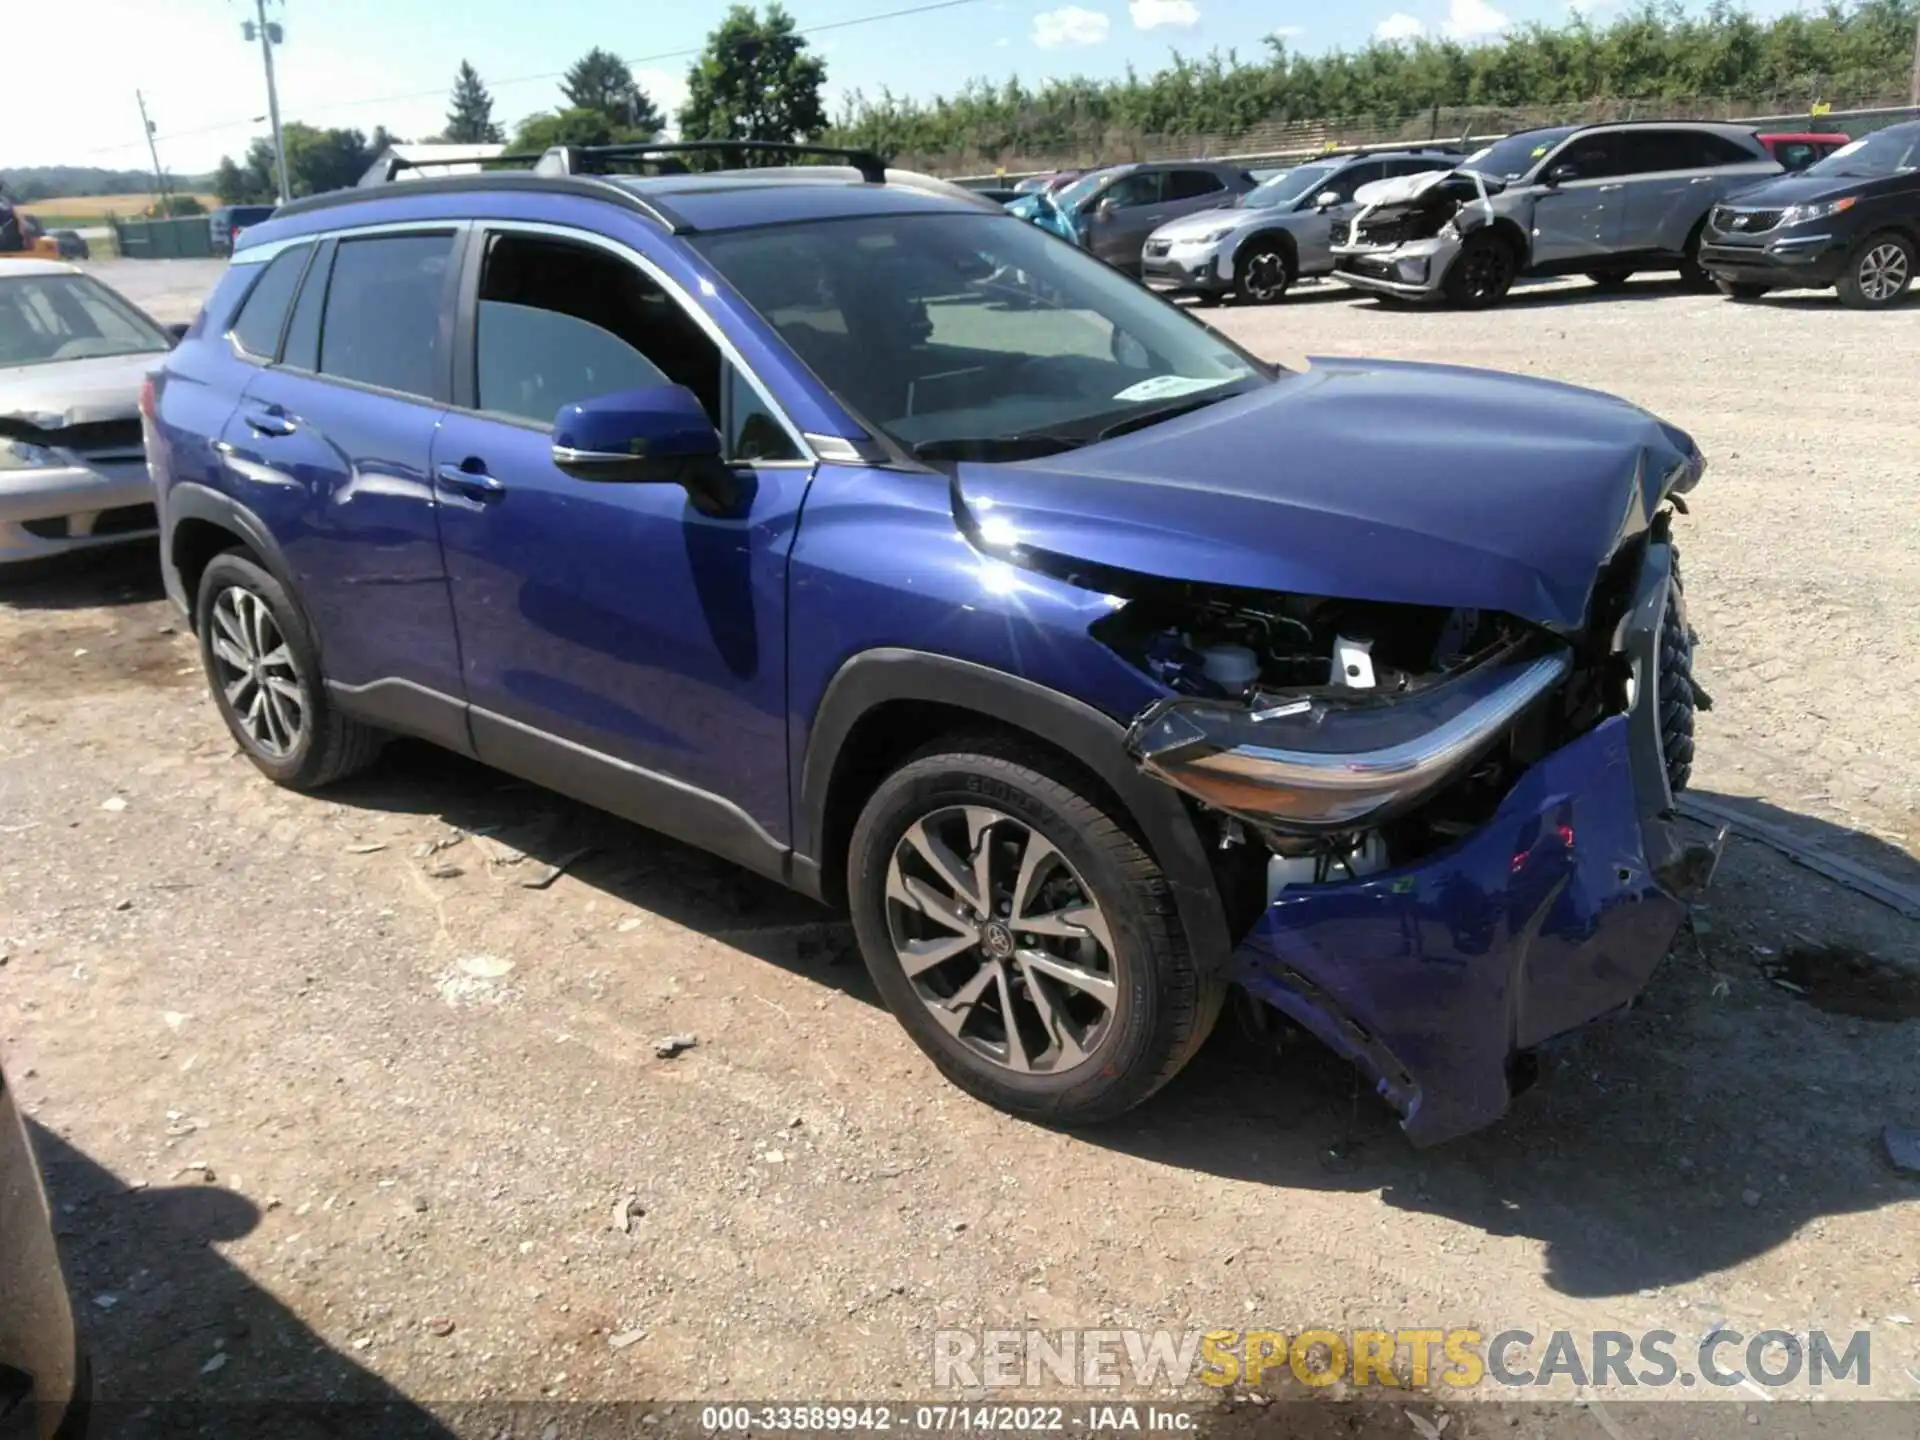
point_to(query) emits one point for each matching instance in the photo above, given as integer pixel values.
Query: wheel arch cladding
(200, 523)
(1279, 238)
(871, 716)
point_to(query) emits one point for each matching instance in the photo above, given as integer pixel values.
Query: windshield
(1884, 153)
(1514, 156)
(1069, 198)
(973, 335)
(1288, 187)
(45, 318)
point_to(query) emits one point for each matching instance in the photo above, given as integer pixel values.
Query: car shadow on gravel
(630, 864)
(1740, 1100)
(181, 1341)
(115, 575)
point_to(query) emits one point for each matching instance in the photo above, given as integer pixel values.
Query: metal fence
(183, 239)
(1296, 140)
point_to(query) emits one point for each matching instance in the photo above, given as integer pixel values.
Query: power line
(633, 61)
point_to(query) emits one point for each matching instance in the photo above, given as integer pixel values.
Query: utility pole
(153, 149)
(270, 34)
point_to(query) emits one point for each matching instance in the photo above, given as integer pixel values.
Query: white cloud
(1399, 26)
(1152, 14)
(1002, 43)
(1590, 7)
(1287, 32)
(1473, 20)
(1070, 25)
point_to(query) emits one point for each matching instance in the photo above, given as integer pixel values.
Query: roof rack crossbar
(587, 159)
(388, 167)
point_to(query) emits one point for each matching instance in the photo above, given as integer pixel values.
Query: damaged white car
(73, 357)
(1604, 201)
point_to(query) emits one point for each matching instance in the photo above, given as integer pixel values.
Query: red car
(1797, 152)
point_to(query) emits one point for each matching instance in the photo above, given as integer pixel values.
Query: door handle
(274, 421)
(475, 483)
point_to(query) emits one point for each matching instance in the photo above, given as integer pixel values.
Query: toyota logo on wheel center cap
(998, 939)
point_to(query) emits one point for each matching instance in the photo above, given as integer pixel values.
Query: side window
(1652, 152)
(559, 322)
(383, 310)
(753, 431)
(1191, 184)
(1595, 157)
(1796, 154)
(256, 329)
(1714, 151)
(1349, 180)
(301, 349)
(1136, 189)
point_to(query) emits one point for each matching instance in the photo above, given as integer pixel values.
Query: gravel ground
(326, 1088)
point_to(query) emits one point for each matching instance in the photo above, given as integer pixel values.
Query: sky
(367, 62)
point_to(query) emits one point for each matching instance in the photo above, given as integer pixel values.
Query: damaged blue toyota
(828, 518)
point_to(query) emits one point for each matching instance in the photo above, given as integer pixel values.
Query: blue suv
(830, 519)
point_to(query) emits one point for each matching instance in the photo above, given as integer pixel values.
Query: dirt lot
(325, 1087)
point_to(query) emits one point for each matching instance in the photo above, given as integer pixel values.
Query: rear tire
(1879, 272)
(1082, 1049)
(1264, 273)
(264, 671)
(1482, 273)
(1740, 289)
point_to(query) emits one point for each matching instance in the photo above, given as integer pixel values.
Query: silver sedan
(73, 357)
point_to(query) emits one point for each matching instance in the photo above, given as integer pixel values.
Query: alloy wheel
(1266, 276)
(255, 672)
(1883, 272)
(1486, 272)
(1002, 940)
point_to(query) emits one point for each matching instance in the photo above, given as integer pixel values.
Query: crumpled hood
(1401, 188)
(1206, 222)
(76, 392)
(1365, 480)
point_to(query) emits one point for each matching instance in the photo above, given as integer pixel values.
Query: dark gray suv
(1603, 201)
(1113, 211)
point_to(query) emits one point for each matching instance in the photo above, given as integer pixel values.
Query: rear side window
(257, 327)
(1715, 150)
(382, 324)
(1189, 184)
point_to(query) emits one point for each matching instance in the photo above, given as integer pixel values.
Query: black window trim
(464, 355)
(240, 352)
(319, 272)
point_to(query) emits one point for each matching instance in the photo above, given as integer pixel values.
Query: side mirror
(1560, 174)
(1326, 200)
(1104, 210)
(659, 435)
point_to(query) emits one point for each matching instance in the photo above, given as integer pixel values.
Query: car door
(1187, 192)
(1312, 225)
(331, 447)
(619, 643)
(1579, 216)
(1676, 176)
(1130, 209)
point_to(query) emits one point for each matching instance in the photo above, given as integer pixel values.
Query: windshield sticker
(1540, 150)
(1163, 387)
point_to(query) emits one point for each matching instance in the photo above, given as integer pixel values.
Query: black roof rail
(387, 168)
(584, 186)
(665, 155)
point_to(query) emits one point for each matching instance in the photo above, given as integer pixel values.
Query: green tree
(755, 81)
(600, 81)
(470, 120)
(573, 126)
(235, 186)
(317, 160)
(176, 207)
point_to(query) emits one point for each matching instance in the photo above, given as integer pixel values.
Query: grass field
(78, 210)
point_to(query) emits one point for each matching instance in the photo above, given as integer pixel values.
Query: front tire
(264, 671)
(1022, 935)
(1482, 273)
(1879, 272)
(1264, 273)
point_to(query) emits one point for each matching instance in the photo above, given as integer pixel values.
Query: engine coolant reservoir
(1232, 667)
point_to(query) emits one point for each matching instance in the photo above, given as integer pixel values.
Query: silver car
(1604, 201)
(73, 357)
(1112, 212)
(1277, 233)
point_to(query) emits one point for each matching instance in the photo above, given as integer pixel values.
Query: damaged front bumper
(1412, 271)
(1438, 977)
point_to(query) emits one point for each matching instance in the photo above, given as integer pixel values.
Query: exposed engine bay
(1328, 740)
(1386, 220)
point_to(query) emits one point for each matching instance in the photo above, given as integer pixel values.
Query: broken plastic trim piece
(1333, 766)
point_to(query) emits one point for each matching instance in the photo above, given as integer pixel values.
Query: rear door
(1676, 177)
(1581, 218)
(1190, 191)
(331, 446)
